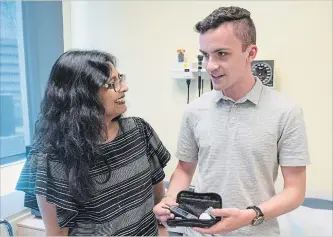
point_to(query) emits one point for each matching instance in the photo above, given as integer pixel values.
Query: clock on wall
(264, 70)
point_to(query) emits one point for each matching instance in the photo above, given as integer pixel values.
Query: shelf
(184, 71)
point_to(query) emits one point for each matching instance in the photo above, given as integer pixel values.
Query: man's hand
(161, 210)
(232, 219)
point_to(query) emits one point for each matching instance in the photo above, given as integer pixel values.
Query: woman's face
(113, 95)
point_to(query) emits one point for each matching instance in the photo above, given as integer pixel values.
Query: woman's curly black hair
(71, 122)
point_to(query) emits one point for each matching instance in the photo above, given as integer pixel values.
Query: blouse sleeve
(47, 178)
(158, 155)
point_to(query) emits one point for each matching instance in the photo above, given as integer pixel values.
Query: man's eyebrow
(216, 50)
(203, 52)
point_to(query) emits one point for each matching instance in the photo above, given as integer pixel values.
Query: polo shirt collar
(253, 95)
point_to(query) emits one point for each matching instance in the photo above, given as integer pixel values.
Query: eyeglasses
(116, 84)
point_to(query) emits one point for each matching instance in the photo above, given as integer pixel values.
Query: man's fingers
(203, 230)
(217, 228)
(211, 230)
(223, 212)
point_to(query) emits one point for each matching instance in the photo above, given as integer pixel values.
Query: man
(238, 135)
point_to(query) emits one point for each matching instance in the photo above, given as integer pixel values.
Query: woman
(92, 171)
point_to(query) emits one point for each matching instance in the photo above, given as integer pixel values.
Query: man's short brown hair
(243, 25)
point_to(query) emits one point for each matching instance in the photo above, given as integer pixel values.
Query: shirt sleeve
(158, 155)
(187, 147)
(46, 178)
(293, 142)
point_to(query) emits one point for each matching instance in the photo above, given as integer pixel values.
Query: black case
(196, 203)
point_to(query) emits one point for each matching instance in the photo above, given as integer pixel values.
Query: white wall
(144, 36)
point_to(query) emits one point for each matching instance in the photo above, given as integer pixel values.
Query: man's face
(224, 59)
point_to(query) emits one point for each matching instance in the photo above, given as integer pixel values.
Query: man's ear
(252, 53)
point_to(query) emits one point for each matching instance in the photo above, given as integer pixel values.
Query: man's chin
(218, 87)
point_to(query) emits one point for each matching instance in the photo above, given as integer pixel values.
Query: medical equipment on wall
(188, 82)
(200, 82)
(264, 70)
(188, 70)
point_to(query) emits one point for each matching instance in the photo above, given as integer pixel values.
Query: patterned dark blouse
(121, 206)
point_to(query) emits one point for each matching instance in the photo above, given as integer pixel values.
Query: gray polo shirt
(239, 146)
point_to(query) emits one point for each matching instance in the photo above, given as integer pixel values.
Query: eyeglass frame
(121, 79)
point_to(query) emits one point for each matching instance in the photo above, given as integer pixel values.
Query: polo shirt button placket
(232, 118)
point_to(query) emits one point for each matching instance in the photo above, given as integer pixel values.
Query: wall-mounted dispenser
(181, 55)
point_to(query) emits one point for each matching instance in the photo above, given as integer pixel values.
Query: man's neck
(241, 88)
